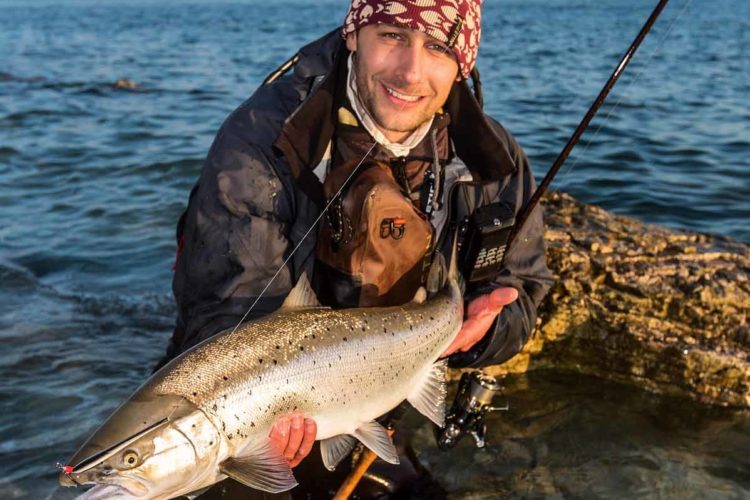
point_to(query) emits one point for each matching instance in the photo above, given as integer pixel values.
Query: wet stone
(661, 309)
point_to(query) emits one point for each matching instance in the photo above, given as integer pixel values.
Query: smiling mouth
(403, 97)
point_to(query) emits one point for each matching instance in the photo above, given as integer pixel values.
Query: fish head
(151, 447)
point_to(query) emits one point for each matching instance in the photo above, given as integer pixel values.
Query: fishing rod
(491, 234)
(526, 212)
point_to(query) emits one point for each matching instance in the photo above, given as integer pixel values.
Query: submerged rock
(663, 309)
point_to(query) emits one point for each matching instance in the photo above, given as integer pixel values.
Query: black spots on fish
(252, 424)
(290, 341)
(210, 443)
(432, 318)
(215, 407)
(344, 339)
(314, 361)
(274, 361)
(278, 346)
(192, 425)
(236, 416)
(329, 365)
(225, 378)
(339, 357)
(302, 348)
(385, 330)
(411, 327)
(312, 387)
(229, 437)
(195, 393)
(328, 328)
(393, 334)
(250, 393)
(223, 427)
(260, 361)
(313, 336)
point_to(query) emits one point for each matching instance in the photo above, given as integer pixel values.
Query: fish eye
(130, 459)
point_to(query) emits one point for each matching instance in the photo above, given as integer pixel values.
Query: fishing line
(312, 226)
(658, 48)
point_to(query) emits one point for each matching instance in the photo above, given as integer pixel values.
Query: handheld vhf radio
(483, 239)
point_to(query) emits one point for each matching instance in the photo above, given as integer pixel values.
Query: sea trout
(207, 414)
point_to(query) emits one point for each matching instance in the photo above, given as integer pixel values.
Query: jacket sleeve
(234, 240)
(525, 270)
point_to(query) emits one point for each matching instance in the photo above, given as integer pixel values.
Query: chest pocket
(374, 244)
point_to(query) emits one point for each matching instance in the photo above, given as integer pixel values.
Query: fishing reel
(466, 415)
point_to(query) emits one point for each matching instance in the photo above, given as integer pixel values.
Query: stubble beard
(398, 121)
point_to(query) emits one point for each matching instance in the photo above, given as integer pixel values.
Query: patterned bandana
(457, 23)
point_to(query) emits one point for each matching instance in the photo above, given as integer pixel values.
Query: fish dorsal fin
(302, 296)
(428, 396)
(376, 438)
(261, 468)
(420, 296)
(335, 449)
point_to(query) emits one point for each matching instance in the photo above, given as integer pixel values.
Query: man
(391, 88)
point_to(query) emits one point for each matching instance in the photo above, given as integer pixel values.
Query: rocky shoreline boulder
(663, 309)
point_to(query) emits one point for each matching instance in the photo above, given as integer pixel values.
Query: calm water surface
(93, 178)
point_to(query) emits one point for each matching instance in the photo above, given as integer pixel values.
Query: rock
(663, 309)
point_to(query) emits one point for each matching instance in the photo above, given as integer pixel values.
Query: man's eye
(389, 34)
(440, 48)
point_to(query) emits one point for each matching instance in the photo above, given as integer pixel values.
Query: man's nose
(411, 65)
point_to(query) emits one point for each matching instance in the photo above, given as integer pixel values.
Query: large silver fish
(207, 414)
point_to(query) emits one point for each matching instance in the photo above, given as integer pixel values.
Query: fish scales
(317, 362)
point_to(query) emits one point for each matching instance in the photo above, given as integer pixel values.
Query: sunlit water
(93, 178)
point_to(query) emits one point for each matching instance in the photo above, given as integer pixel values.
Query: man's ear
(351, 41)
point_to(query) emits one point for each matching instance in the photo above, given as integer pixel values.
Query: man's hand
(480, 314)
(293, 437)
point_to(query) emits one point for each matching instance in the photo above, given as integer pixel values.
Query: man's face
(403, 76)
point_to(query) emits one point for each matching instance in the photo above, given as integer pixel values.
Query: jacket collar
(305, 136)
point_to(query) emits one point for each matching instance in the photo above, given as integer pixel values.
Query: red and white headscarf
(456, 23)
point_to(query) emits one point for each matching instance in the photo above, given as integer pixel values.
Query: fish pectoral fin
(376, 438)
(428, 396)
(264, 470)
(302, 296)
(335, 449)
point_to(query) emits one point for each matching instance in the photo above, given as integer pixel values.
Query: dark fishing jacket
(257, 199)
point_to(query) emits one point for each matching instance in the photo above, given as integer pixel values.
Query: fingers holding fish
(292, 436)
(308, 438)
